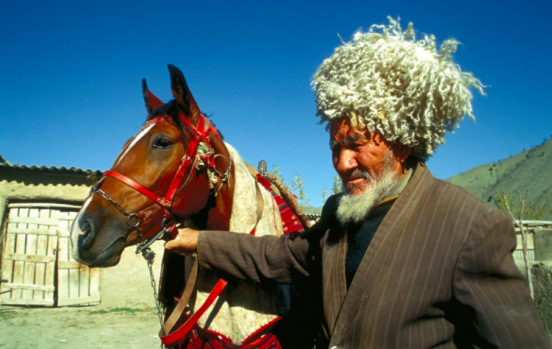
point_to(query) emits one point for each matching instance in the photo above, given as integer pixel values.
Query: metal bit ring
(129, 221)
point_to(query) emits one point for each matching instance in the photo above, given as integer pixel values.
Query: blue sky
(70, 75)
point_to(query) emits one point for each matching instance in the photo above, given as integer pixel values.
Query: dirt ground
(83, 328)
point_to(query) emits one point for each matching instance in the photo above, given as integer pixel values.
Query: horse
(177, 170)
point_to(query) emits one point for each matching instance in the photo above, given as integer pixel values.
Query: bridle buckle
(163, 202)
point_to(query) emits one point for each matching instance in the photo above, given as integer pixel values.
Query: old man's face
(368, 165)
(362, 158)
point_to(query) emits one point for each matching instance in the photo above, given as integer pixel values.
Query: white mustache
(358, 173)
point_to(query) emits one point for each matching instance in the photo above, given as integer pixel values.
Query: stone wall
(27, 186)
(543, 244)
(32, 186)
(541, 272)
(542, 286)
(125, 285)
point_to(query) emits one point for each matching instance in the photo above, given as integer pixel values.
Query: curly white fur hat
(402, 88)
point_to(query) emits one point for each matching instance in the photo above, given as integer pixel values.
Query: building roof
(52, 169)
(3, 160)
(313, 216)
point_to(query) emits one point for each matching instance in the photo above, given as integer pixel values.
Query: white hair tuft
(388, 82)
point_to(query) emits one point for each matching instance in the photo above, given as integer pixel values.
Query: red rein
(166, 203)
(259, 339)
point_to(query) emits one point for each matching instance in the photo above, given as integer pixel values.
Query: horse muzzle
(88, 249)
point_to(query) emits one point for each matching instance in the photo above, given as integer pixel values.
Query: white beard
(354, 208)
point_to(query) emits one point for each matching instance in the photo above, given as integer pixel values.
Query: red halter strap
(166, 203)
(157, 199)
(187, 161)
(200, 134)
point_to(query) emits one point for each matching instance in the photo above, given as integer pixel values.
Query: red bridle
(166, 202)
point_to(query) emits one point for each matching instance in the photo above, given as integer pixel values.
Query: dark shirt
(360, 234)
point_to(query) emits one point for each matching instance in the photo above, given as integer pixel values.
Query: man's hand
(185, 242)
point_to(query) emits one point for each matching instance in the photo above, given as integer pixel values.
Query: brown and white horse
(176, 169)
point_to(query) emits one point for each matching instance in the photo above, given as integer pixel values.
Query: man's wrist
(201, 237)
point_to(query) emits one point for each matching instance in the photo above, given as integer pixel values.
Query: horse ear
(182, 94)
(150, 99)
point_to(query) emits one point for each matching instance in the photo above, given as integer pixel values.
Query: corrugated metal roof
(53, 169)
(3, 160)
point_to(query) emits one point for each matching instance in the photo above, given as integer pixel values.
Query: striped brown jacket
(438, 274)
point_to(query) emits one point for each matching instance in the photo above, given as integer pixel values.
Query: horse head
(176, 168)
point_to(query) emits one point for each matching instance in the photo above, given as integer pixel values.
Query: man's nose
(346, 161)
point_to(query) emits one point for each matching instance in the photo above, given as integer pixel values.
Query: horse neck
(245, 207)
(219, 211)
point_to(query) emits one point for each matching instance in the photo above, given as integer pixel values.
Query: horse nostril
(86, 228)
(87, 235)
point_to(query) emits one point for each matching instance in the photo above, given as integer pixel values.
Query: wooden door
(29, 257)
(77, 284)
(36, 248)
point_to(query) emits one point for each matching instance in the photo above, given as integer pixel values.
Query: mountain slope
(529, 170)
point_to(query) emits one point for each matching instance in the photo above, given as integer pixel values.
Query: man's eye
(162, 143)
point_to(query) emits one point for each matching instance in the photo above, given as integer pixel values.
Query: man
(399, 259)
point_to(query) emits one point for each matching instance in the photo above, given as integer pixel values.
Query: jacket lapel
(386, 236)
(334, 286)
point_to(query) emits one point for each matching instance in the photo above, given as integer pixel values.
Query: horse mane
(171, 109)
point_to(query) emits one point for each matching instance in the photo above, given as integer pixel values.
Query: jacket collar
(343, 301)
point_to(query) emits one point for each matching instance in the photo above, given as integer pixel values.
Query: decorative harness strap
(165, 204)
(291, 224)
(178, 314)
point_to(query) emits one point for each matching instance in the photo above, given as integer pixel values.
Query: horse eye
(162, 143)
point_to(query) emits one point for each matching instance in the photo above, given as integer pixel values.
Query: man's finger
(184, 243)
(169, 245)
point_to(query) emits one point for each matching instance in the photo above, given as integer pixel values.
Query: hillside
(529, 170)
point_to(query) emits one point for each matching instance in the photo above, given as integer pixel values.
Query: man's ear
(403, 153)
(375, 137)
